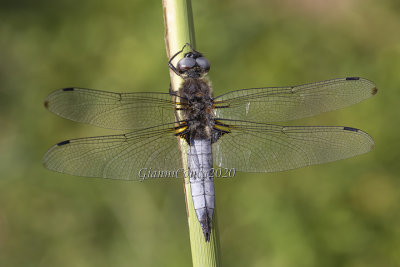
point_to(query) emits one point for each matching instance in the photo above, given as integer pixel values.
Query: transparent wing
(273, 104)
(257, 147)
(112, 110)
(127, 156)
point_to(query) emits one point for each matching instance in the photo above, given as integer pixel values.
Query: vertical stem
(179, 30)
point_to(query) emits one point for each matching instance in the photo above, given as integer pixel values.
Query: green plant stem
(179, 30)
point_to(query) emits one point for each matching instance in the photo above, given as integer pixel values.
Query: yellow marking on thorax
(180, 130)
(224, 128)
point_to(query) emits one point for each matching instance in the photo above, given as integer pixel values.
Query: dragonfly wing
(273, 104)
(258, 147)
(112, 110)
(126, 156)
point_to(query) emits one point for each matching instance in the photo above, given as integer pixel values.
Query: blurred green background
(344, 213)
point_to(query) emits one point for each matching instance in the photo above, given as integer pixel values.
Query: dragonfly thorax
(198, 113)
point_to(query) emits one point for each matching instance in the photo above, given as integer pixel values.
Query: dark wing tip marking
(46, 104)
(374, 91)
(350, 129)
(352, 78)
(63, 143)
(68, 89)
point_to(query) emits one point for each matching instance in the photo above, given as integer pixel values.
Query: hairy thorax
(197, 94)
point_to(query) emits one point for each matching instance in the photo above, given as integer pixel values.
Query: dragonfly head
(193, 65)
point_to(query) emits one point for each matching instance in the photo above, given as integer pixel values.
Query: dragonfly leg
(171, 66)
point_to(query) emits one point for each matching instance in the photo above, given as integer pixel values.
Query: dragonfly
(233, 131)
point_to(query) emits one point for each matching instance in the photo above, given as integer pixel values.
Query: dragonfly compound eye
(185, 64)
(203, 63)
